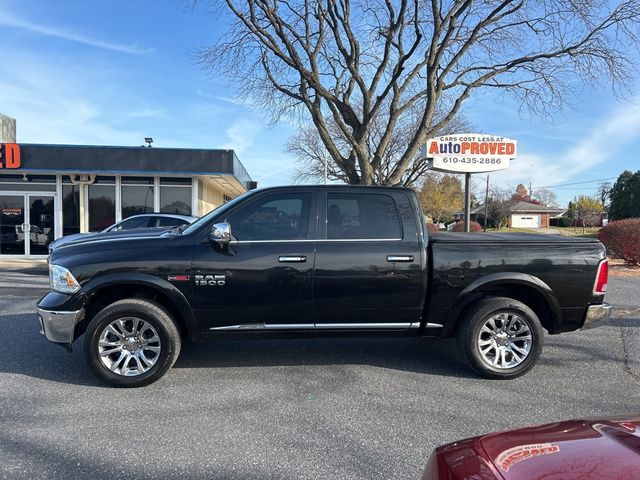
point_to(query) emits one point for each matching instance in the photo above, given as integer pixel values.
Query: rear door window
(362, 216)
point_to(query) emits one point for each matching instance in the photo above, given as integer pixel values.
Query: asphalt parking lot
(294, 409)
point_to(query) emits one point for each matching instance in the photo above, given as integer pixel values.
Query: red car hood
(571, 450)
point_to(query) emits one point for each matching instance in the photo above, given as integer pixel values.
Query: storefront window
(102, 203)
(137, 195)
(175, 195)
(30, 183)
(70, 208)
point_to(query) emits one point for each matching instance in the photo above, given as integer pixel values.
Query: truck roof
(335, 187)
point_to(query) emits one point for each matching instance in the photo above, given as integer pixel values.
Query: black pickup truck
(319, 260)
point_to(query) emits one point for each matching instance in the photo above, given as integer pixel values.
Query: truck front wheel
(131, 343)
(500, 338)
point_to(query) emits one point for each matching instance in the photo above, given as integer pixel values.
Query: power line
(579, 183)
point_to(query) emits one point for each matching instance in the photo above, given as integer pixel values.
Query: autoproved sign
(470, 153)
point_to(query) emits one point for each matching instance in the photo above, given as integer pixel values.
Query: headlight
(61, 280)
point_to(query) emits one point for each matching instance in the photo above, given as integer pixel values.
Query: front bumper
(59, 326)
(596, 316)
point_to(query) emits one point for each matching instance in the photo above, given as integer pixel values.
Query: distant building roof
(532, 207)
(519, 207)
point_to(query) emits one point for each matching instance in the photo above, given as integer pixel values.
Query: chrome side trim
(434, 325)
(262, 326)
(285, 326)
(319, 326)
(341, 326)
(59, 326)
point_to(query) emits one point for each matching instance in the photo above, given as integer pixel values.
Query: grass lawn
(511, 230)
(589, 232)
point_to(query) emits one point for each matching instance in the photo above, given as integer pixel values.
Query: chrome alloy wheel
(129, 346)
(504, 340)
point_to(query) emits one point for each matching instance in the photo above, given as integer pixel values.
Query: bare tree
(604, 192)
(545, 197)
(352, 62)
(499, 205)
(587, 211)
(312, 156)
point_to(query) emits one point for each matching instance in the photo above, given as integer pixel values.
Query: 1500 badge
(210, 280)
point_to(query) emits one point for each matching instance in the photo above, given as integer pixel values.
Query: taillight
(600, 287)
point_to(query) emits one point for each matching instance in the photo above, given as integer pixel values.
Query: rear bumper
(59, 326)
(596, 316)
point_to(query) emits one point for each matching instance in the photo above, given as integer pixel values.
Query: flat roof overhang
(115, 160)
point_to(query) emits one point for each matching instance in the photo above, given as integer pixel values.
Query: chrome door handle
(292, 259)
(399, 258)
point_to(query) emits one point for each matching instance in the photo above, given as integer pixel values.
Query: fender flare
(175, 296)
(473, 291)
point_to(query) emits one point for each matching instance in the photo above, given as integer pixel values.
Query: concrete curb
(28, 266)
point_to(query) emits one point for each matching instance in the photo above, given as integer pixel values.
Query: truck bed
(457, 237)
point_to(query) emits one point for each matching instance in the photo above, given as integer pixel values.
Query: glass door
(27, 223)
(41, 222)
(12, 225)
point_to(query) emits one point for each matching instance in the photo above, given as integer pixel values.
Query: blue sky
(114, 71)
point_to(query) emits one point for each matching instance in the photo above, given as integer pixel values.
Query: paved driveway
(296, 409)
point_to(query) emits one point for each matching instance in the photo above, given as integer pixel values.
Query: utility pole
(325, 169)
(467, 201)
(486, 201)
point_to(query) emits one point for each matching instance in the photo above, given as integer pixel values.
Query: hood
(88, 238)
(575, 449)
(70, 238)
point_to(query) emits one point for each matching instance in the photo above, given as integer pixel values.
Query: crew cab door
(263, 278)
(369, 272)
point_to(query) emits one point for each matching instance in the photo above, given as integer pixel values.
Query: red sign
(10, 155)
(12, 211)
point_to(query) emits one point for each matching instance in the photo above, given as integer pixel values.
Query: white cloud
(8, 19)
(57, 102)
(241, 135)
(602, 143)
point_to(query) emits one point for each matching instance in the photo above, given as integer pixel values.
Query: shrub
(622, 239)
(473, 227)
(432, 228)
(561, 222)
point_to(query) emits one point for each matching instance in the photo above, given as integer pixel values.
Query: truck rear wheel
(500, 338)
(131, 343)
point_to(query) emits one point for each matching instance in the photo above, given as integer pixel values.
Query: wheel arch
(109, 288)
(525, 288)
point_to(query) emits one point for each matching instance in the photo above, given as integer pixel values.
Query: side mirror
(220, 234)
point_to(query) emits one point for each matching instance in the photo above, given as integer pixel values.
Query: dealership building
(47, 191)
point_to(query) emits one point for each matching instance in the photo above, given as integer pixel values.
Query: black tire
(470, 331)
(148, 311)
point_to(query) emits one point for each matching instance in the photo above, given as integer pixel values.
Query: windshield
(216, 211)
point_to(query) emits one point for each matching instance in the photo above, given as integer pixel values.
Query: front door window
(12, 225)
